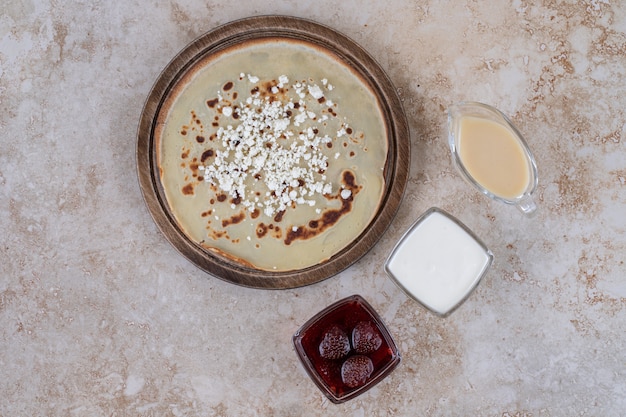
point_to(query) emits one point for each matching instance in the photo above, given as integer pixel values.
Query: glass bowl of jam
(346, 349)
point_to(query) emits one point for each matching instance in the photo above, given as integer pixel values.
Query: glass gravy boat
(491, 154)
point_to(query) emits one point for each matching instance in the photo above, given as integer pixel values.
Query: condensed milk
(493, 156)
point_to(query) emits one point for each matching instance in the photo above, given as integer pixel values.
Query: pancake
(271, 153)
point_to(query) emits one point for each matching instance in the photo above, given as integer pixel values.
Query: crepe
(271, 153)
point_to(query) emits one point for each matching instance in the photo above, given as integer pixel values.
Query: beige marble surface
(100, 316)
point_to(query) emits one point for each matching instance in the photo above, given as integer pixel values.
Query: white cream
(438, 262)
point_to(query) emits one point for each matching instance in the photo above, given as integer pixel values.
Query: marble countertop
(101, 316)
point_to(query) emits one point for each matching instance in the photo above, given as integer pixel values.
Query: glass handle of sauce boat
(527, 205)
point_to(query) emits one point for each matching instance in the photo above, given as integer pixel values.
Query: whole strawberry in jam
(356, 370)
(335, 344)
(366, 337)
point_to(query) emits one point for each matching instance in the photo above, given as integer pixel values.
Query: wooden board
(396, 169)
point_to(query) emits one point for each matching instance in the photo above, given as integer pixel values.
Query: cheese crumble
(253, 147)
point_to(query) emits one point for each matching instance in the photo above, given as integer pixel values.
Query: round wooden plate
(396, 169)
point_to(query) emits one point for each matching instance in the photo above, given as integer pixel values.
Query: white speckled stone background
(100, 316)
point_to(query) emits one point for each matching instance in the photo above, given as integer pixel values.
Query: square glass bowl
(346, 349)
(438, 262)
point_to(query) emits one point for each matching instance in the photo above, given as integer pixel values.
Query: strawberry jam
(343, 373)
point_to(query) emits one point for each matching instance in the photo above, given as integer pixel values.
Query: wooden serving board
(347, 51)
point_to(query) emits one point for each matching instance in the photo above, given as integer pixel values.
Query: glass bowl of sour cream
(438, 262)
